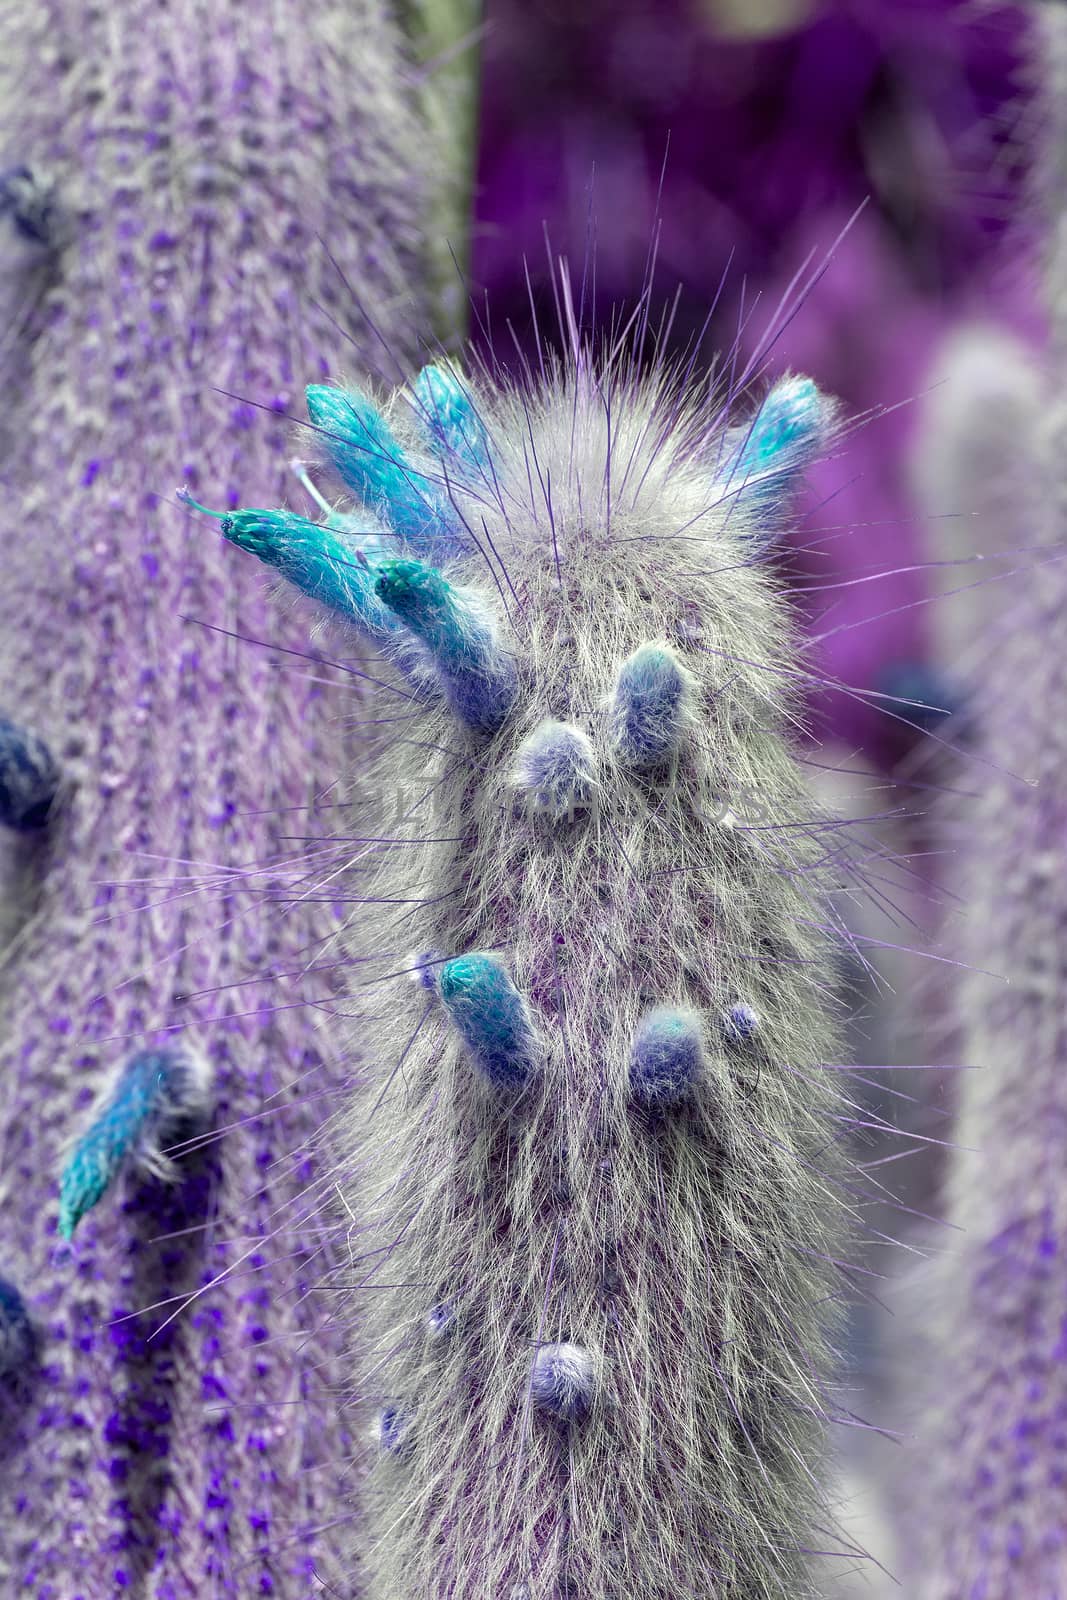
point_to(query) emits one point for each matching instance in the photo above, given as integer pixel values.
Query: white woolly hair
(687, 1252)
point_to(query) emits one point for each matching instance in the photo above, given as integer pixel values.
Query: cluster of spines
(491, 1017)
(648, 713)
(650, 706)
(478, 678)
(667, 1056)
(313, 557)
(157, 1097)
(562, 1381)
(379, 571)
(555, 771)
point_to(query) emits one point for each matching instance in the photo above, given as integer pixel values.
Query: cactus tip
(155, 1096)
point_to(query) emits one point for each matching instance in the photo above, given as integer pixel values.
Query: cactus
(593, 1182)
(985, 1519)
(234, 178)
(984, 1513)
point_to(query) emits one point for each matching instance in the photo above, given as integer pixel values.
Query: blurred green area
(445, 36)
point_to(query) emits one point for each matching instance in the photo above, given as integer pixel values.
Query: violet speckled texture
(204, 152)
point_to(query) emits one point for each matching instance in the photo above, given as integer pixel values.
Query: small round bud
(562, 1381)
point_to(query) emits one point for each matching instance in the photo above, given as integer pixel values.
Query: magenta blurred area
(863, 164)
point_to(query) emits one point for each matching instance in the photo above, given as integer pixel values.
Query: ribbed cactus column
(594, 1189)
(992, 1456)
(992, 1452)
(207, 156)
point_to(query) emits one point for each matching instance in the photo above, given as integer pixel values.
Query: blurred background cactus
(984, 1512)
(233, 178)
